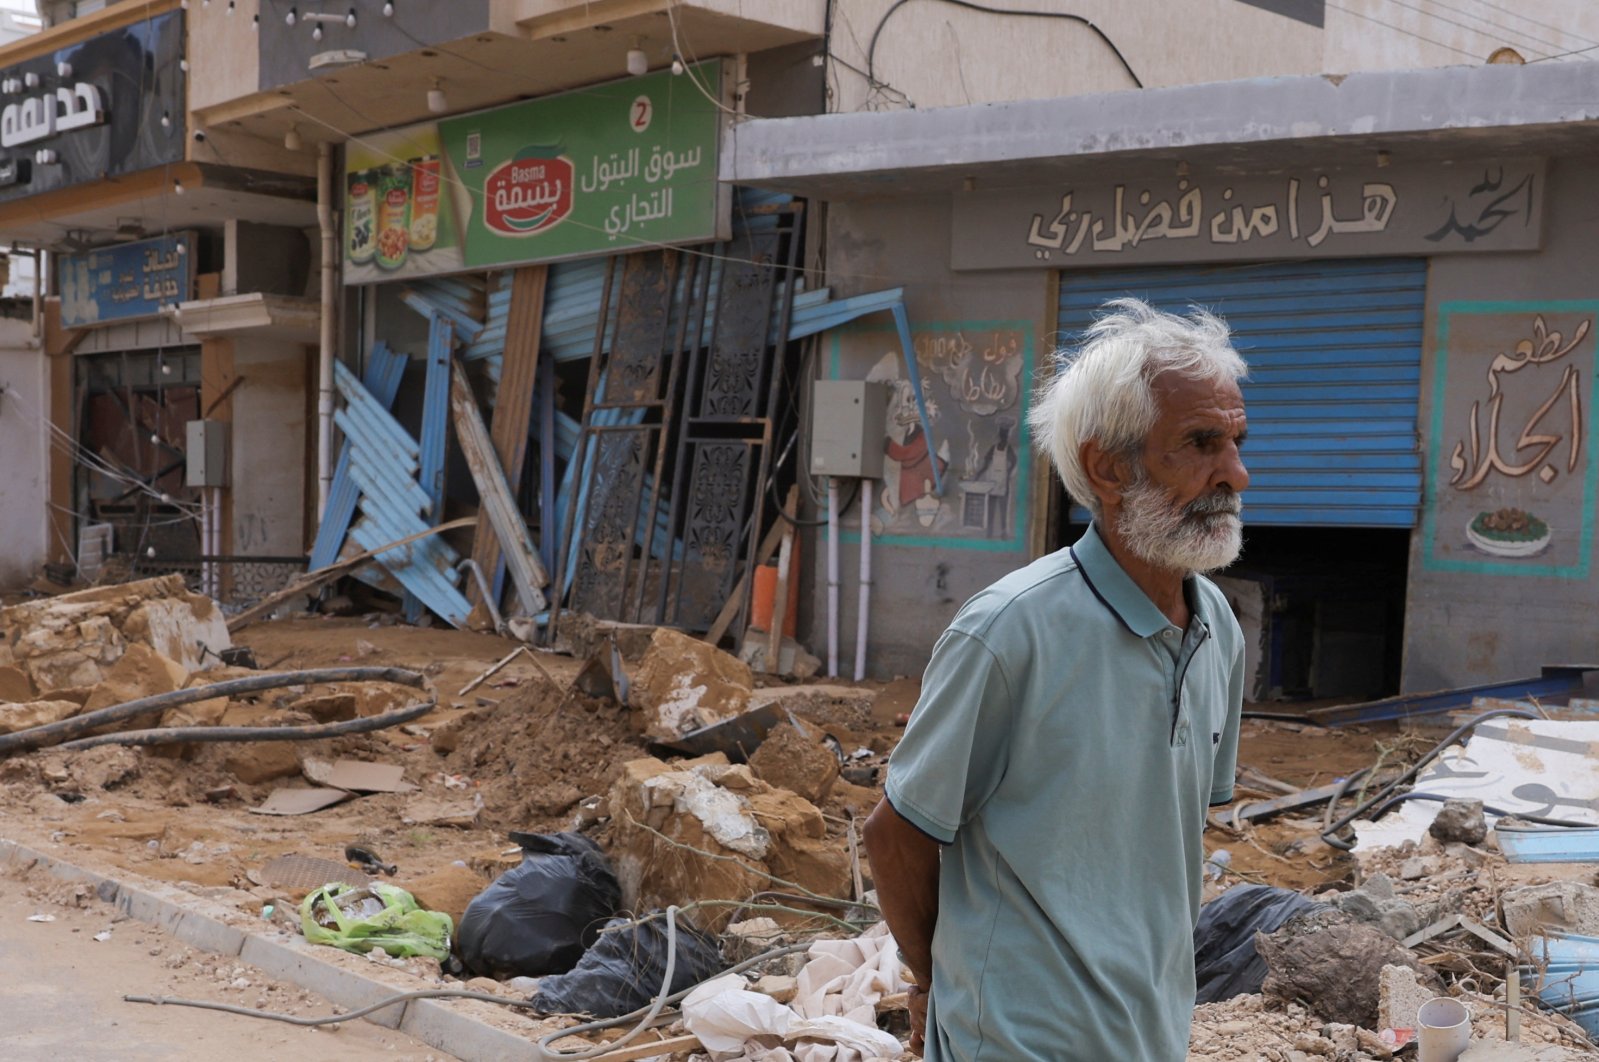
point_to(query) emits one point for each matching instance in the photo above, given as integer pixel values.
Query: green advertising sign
(615, 168)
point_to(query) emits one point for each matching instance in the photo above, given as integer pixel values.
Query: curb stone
(200, 924)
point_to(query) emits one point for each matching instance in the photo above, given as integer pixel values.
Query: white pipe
(38, 294)
(325, 352)
(832, 577)
(1443, 1030)
(866, 580)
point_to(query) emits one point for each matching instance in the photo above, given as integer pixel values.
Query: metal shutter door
(1334, 352)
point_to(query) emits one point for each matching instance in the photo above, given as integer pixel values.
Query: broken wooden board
(357, 776)
(299, 801)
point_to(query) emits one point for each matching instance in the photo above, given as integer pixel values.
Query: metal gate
(1334, 352)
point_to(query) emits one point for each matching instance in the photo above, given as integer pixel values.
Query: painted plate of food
(1508, 533)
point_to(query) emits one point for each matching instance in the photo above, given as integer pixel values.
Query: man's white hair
(1103, 391)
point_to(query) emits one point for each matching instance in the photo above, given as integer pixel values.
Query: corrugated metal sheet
(1334, 351)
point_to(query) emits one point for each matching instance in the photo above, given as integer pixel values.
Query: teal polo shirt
(1066, 745)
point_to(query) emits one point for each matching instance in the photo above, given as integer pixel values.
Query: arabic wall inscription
(1512, 476)
(1421, 209)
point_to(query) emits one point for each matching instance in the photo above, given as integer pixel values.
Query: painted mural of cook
(1512, 490)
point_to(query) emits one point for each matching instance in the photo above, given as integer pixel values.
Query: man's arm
(905, 872)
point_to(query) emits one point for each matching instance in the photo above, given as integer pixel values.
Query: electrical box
(848, 422)
(207, 453)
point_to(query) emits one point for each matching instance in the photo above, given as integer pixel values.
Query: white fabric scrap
(833, 1018)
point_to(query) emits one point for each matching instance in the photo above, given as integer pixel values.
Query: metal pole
(325, 353)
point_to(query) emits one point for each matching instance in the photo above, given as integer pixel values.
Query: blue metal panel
(1334, 350)
(383, 373)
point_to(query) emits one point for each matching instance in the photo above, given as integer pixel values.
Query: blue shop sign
(126, 281)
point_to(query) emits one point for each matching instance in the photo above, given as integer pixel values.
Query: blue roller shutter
(1334, 350)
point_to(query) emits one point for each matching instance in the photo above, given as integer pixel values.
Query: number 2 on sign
(643, 110)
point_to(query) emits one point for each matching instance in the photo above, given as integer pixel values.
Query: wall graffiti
(1512, 487)
(974, 381)
(1414, 209)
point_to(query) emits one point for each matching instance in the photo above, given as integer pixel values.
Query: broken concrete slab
(1334, 964)
(683, 684)
(826, 704)
(1399, 996)
(1570, 906)
(713, 831)
(15, 717)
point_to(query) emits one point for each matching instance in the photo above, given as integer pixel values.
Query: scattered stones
(1335, 964)
(1460, 820)
(1377, 903)
(14, 717)
(262, 761)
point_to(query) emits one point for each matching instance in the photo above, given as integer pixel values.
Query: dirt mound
(540, 751)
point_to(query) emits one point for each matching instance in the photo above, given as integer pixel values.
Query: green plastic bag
(360, 918)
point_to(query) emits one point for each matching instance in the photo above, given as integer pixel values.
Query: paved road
(61, 995)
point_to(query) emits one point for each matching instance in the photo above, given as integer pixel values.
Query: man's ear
(1107, 473)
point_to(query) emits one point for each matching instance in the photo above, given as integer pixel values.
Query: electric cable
(1463, 25)
(1546, 25)
(1329, 834)
(1399, 29)
(1499, 26)
(871, 49)
(1562, 55)
(1542, 820)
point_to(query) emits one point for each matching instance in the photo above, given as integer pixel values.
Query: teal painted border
(1440, 375)
(1017, 543)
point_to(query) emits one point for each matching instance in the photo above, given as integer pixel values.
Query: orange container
(765, 596)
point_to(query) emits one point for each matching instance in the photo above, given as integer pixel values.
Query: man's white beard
(1202, 536)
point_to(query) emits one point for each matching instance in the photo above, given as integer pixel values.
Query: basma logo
(529, 193)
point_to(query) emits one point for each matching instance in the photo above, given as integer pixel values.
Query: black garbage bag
(624, 970)
(540, 916)
(1225, 961)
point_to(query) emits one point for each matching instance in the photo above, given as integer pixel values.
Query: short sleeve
(1226, 762)
(955, 747)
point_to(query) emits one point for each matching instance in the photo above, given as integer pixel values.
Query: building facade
(1386, 201)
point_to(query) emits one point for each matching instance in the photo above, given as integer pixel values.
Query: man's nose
(1231, 473)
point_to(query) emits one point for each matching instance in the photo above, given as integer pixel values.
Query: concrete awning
(259, 315)
(1266, 123)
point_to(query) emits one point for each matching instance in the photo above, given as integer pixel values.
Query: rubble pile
(86, 650)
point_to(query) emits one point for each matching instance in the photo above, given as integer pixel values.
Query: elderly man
(1038, 852)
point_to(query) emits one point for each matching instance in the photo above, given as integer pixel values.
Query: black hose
(1542, 820)
(1328, 834)
(181, 735)
(55, 733)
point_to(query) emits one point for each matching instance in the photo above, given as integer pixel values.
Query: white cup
(1443, 1030)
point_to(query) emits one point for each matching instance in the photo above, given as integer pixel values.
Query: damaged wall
(268, 459)
(978, 348)
(24, 442)
(1485, 605)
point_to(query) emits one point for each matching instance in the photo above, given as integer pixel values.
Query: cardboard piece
(299, 801)
(358, 776)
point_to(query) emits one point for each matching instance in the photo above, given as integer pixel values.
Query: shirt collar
(1116, 590)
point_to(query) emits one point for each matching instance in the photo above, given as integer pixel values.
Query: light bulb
(230, 7)
(183, 64)
(149, 551)
(677, 65)
(166, 119)
(316, 32)
(166, 370)
(291, 139)
(293, 14)
(155, 440)
(255, 23)
(638, 63)
(349, 20)
(388, 10)
(437, 103)
(177, 186)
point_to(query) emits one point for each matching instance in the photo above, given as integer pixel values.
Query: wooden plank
(769, 544)
(311, 580)
(521, 558)
(513, 409)
(785, 573)
(650, 1049)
